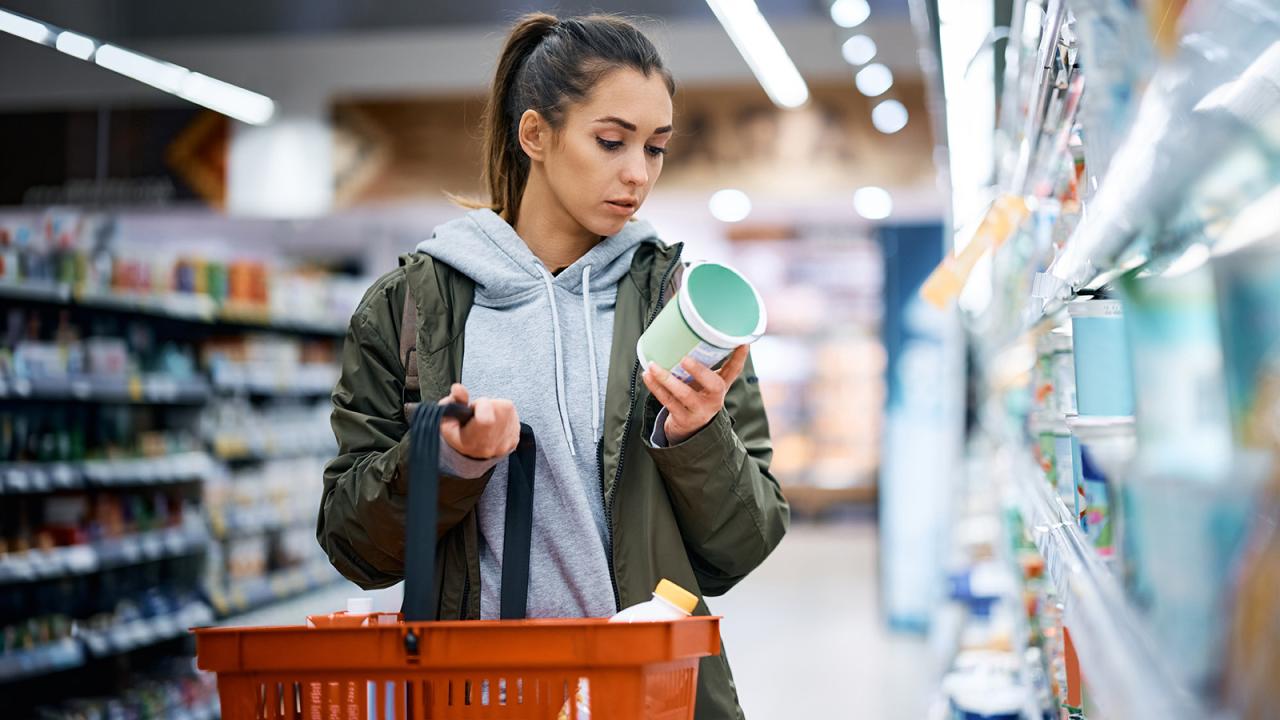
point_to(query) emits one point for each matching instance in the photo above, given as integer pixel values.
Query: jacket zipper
(466, 593)
(626, 429)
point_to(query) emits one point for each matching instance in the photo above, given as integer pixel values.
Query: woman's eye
(656, 151)
(609, 144)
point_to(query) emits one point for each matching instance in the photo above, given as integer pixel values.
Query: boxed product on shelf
(235, 429)
(269, 496)
(266, 363)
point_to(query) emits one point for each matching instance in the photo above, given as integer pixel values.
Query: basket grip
(422, 516)
(420, 523)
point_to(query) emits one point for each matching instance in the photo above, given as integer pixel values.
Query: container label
(703, 353)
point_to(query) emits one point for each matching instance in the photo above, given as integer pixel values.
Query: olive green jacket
(703, 513)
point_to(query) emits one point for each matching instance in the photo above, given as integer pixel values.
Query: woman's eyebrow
(630, 126)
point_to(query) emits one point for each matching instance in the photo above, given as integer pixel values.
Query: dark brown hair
(547, 64)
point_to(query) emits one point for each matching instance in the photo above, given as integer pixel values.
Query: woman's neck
(548, 229)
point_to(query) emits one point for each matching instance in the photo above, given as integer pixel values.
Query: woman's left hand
(691, 407)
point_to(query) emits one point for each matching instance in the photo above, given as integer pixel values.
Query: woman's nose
(636, 171)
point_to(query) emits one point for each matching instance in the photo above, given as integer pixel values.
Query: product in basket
(670, 602)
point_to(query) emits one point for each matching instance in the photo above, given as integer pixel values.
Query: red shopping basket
(526, 669)
(393, 666)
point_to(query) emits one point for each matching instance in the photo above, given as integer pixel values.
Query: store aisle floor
(805, 637)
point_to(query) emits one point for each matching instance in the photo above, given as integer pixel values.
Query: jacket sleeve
(362, 511)
(729, 507)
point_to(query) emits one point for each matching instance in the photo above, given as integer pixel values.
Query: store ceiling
(124, 20)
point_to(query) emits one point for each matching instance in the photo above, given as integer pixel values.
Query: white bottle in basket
(670, 602)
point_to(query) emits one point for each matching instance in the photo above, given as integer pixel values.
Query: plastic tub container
(716, 310)
(1179, 382)
(1104, 382)
(1103, 450)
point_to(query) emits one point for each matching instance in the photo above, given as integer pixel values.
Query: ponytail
(545, 64)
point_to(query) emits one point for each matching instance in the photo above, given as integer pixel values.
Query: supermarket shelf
(1126, 674)
(268, 517)
(237, 448)
(19, 478)
(152, 390)
(53, 657)
(207, 711)
(180, 307)
(255, 320)
(121, 638)
(71, 561)
(129, 636)
(245, 596)
(277, 389)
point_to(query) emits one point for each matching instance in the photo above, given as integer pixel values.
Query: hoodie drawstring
(559, 352)
(591, 352)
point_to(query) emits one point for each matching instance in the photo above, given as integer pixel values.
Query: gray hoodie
(543, 342)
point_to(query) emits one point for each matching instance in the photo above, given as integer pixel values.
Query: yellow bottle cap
(677, 596)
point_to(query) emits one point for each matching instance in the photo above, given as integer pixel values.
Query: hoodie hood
(485, 248)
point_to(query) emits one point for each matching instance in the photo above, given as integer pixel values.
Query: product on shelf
(1172, 326)
(49, 348)
(262, 516)
(87, 256)
(236, 429)
(1101, 358)
(271, 364)
(83, 434)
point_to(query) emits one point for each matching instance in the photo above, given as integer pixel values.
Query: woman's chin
(606, 226)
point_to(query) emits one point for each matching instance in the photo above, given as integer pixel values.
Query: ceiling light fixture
(858, 50)
(762, 50)
(231, 100)
(850, 13)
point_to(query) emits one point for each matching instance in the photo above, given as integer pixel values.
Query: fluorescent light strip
(75, 45)
(228, 99)
(762, 50)
(24, 27)
(156, 73)
(236, 102)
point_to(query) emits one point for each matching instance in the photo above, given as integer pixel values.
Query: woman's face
(608, 153)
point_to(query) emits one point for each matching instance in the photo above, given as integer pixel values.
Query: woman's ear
(534, 134)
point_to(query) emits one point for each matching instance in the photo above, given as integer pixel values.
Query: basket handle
(423, 515)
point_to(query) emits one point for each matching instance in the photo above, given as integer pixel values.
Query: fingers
(484, 412)
(494, 431)
(733, 368)
(660, 392)
(706, 380)
(458, 393)
(683, 395)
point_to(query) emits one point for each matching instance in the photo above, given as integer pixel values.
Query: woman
(550, 285)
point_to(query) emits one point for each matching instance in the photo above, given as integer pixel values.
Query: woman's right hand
(492, 432)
